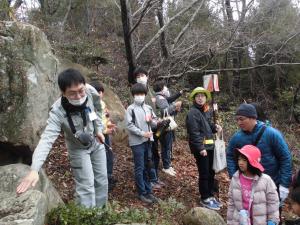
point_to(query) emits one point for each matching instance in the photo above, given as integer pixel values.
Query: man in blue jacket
(276, 157)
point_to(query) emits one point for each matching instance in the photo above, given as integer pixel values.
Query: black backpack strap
(70, 121)
(262, 130)
(133, 116)
(71, 124)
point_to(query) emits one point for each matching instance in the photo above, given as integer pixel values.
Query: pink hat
(253, 155)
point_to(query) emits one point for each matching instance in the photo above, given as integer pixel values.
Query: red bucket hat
(253, 155)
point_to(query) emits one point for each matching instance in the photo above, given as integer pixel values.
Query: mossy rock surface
(202, 216)
(28, 72)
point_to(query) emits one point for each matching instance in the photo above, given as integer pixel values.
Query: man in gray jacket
(78, 114)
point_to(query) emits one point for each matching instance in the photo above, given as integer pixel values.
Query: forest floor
(183, 187)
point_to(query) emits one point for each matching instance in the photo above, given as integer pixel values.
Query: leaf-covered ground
(183, 187)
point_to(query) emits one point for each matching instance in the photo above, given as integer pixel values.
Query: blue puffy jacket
(276, 157)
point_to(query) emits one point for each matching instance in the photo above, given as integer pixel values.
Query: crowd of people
(258, 158)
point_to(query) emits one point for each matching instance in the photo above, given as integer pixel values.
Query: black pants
(206, 173)
(109, 158)
(280, 208)
(155, 153)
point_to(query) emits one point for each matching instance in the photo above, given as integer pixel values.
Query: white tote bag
(173, 125)
(219, 162)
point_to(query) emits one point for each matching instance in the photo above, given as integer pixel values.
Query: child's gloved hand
(270, 222)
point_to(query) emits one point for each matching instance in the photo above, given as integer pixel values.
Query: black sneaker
(145, 199)
(152, 198)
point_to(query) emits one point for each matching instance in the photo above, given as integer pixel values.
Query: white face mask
(166, 92)
(139, 99)
(142, 80)
(77, 102)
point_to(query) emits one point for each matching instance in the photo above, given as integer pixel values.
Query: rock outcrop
(203, 216)
(28, 87)
(29, 208)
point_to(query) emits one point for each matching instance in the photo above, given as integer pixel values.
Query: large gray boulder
(202, 216)
(29, 208)
(28, 72)
(28, 86)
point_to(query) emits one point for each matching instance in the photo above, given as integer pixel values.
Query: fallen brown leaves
(183, 187)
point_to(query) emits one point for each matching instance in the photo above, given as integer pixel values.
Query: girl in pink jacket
(251, 192)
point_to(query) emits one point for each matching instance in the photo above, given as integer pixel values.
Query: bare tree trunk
(233, 52)
(126, 22)
(160, 17)
(161, 30)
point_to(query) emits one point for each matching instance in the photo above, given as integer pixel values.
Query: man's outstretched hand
(27, 182)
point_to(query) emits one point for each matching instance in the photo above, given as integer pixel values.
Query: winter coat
(199, 128)
(136, 123)
(276, 157)
(265, 204)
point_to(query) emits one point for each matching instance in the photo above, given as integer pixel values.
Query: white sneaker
(172, 170)
(169, 172)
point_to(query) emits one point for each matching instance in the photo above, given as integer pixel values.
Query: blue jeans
(109, 158)
(140, 158)
(166, 142)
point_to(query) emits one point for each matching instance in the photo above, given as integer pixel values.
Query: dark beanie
(246, 110)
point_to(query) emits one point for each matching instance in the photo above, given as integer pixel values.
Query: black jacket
(199, 128)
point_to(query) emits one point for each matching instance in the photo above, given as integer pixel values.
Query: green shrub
(72, 214)
(166, 212)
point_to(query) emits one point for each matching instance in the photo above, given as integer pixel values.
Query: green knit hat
(200, 90)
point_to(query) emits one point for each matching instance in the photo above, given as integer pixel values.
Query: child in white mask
(140, 119)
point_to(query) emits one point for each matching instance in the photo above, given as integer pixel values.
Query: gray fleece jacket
(136, 123)
(58, 121)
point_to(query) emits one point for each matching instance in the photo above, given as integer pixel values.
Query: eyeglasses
(73, 94)
(200, 96)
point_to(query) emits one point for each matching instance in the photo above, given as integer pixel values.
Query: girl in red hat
(253, 199)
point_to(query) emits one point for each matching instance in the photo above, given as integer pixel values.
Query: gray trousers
(90, 174)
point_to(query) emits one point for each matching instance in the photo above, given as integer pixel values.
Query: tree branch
(62, 24)
(157, 35)
(118, 6)
(229, 69)
(186, 26)
(145, 10)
